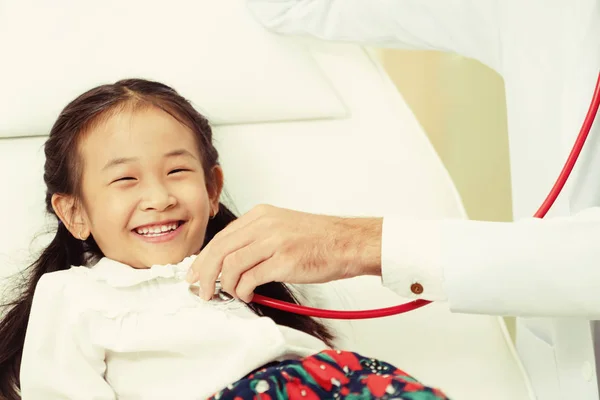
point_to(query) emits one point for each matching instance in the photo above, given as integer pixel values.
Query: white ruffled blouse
(112, 331)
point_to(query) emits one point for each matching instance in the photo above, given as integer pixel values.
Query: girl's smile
(159, 232)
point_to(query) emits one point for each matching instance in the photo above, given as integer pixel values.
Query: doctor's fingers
(238, 233)
(207, 266)
(262, 213)
(242, 260)
(267, 271)
(239, 223)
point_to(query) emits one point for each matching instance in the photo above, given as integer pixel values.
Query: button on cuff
(416, 288)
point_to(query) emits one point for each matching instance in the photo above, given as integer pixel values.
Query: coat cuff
(411, 262)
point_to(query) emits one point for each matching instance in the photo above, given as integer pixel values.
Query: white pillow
(213, 52)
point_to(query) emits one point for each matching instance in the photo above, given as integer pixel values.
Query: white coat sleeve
(59, 362)
(533, 267)
(466, 27)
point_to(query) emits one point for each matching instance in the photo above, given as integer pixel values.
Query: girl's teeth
(157, 229)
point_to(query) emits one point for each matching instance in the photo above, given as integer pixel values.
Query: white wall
(461, 105)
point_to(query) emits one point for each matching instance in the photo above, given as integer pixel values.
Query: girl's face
(145, 199)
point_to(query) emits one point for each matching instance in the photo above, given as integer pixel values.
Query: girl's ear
(214, 190)
(72, 215)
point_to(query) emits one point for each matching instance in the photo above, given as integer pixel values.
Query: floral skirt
(331, 374)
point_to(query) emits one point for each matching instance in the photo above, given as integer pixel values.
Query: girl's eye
(178, 170)
(125, 178)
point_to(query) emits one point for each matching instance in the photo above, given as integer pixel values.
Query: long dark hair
(62, 172)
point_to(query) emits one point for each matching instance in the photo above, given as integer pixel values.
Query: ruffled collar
(117, 274)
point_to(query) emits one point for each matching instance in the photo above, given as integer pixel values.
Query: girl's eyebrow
(124, 160)
(180, 152)
(118, 161)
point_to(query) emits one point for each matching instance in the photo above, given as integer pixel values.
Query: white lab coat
(548, 52)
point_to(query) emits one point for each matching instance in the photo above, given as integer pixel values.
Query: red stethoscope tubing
(413, 305)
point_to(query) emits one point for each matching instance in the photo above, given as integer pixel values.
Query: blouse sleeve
(59, 361)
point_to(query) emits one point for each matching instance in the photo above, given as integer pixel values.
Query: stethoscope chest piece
(218, 297)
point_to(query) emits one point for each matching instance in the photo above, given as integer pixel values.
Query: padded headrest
(221, 60)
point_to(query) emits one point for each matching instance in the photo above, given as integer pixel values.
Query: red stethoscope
(413, 305)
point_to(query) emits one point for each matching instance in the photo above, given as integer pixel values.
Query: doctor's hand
(270, 244)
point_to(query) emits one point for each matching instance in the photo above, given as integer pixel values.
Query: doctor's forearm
(528, 268)
(533, 267)
(403, 252)
(361, 246)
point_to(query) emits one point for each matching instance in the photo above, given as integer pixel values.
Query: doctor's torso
(550, 68)
(550, 63)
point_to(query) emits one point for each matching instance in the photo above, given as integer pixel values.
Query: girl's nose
(157, 197)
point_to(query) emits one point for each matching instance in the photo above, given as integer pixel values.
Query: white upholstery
(223, 59)
(344, 143)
